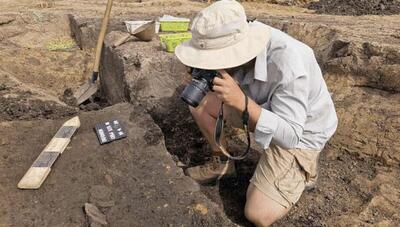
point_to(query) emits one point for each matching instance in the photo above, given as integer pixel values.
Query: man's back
(293, 89)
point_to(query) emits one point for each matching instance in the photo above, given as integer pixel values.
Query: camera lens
(194, 92)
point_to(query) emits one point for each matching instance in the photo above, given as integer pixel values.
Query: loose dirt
(356, 7)
(23, 108)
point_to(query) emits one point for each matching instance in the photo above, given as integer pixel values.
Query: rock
(105, 204)
(201, 208)
(4, 19)
(90, 106)
(96, 218)
(108, 179)
(180, 164)
(3, 142)
(3, 87)
(187, 184)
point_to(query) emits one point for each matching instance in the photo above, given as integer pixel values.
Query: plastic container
(170, 41)
(157, 26)
(174, 24)
(133, 26)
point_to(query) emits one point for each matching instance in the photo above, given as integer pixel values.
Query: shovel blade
(85, 91)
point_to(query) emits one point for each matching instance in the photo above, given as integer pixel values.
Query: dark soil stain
(356, 7)
(21, 106)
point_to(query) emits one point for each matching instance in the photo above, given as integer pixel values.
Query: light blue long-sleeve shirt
(297, 109)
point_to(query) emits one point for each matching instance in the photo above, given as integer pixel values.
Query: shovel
(88, 89)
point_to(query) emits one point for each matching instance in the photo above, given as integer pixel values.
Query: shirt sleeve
(283, 124)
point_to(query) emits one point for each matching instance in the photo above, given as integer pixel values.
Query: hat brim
(227, 57)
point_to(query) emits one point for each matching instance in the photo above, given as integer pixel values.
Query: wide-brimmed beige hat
(222, 38)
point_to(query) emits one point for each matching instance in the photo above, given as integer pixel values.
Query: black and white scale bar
(41, 167)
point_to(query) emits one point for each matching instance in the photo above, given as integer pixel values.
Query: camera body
(201, 83)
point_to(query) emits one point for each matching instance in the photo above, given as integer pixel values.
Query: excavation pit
(139, 181)
(140, 72)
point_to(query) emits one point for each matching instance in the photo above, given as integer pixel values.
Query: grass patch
(60, 44)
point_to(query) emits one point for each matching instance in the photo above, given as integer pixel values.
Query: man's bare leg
(205, 116)
(219, 166)
(262, 210)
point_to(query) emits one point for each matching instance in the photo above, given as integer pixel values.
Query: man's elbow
(289, 139)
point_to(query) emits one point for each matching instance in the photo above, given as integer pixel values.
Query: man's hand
(228, 91)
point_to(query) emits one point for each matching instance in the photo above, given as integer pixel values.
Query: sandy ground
(355, 188)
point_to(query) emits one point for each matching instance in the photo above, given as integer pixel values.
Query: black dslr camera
(201, 83)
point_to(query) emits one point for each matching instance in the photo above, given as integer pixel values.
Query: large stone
(96, 218)
(86, 31)
(141, 71)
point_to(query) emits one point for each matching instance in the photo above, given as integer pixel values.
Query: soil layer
(356, 7)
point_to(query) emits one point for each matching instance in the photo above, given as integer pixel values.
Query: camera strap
(219, 128)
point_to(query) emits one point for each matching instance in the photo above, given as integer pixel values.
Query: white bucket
(132, 26)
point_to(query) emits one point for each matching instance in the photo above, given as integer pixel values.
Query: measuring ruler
(41, 167)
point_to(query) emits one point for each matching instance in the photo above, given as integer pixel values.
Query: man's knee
(259, 217)
(198, 112)
(251, 214)
(262, 210)
(194, 111)
(209, 106)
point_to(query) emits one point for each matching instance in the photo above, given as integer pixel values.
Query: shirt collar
(259, 72)
(260, 67)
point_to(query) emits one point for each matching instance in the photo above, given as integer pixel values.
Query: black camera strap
(219, 128)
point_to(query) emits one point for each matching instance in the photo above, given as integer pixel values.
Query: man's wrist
(241, 104)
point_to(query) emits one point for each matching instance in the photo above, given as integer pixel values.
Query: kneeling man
(291, 112)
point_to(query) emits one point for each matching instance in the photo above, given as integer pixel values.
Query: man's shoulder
(283, 44)
(288, 63)
(288, 56)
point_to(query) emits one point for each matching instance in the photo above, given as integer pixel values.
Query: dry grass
(61, 44)
(46, 3)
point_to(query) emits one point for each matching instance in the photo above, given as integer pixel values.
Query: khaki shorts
(281, 174)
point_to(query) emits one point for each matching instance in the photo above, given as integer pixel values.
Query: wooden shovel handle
(102, 35)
